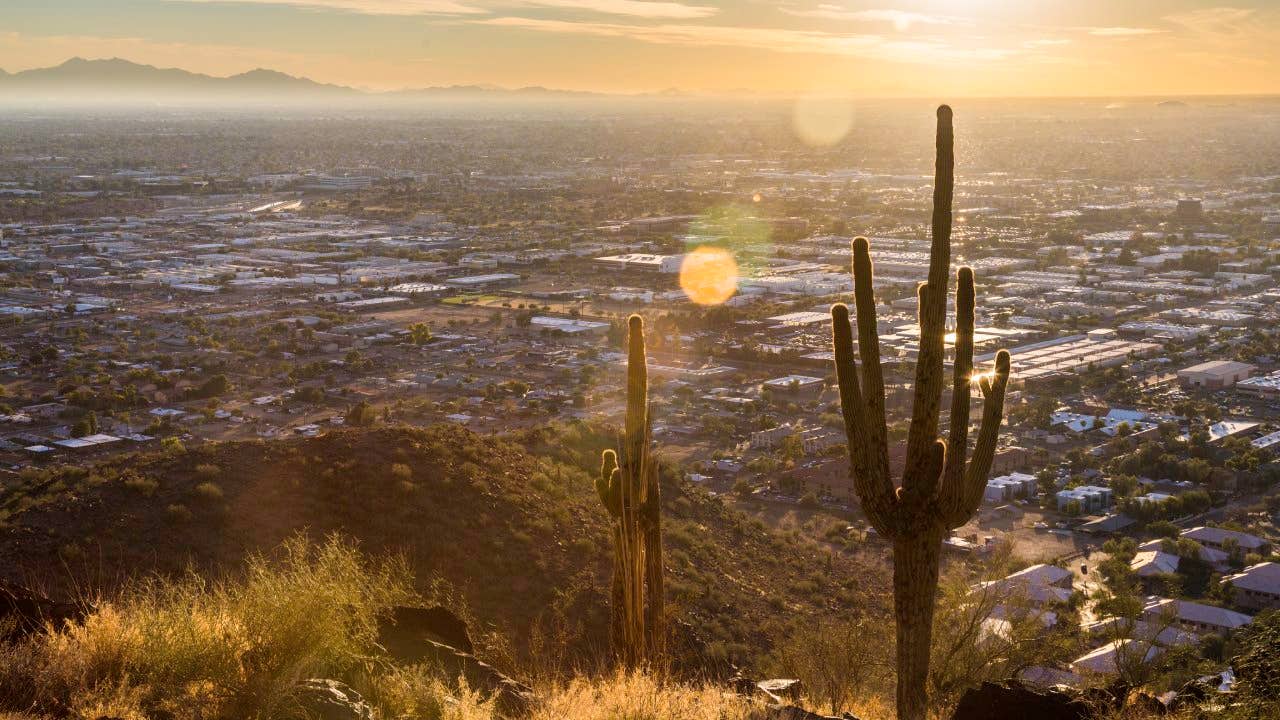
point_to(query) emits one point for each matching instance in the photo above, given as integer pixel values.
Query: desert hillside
(511, 528)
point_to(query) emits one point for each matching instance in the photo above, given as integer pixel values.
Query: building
(570, 326)
(1189, 210)
(796, 385)
(1153, 563)
(1215, 374)
(643, 261)
(1195, 617)
(479, 282)
(1266, 386)
(1091, 498)
(1220, 539)
(1257, 587)
(1106, 660)
(1216, 559)
(1008, 487)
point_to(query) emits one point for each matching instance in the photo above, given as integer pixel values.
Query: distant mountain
(79, 79)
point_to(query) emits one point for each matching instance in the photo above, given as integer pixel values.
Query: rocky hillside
(511, 526)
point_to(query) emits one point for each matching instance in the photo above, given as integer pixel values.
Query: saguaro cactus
(628, 488)
(939, 492)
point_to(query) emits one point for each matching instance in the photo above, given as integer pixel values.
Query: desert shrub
(400, 471)
(415, 692)
(641, 697)
(208, 491)
(141, 484)
(219, 649)
(207, 471)
(178, 512)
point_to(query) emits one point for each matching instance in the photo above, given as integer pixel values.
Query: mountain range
(81, 79)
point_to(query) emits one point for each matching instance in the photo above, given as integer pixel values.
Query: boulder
(1014, 701)
(791, 712)
(330, 700)
(401, 631)
(23, 611)
(511, 697)
(780, 689)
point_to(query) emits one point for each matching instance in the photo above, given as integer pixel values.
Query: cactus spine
(939, 492)
(628, 488)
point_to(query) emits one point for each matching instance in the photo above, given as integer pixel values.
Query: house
(1220, 539)
(1195, 617)
(1042, 584)
(1216, 559)
(1042, 574)
(1151, 563)
(1090, 498)
(1007, 487)
(1108, 659)
(1257, 587)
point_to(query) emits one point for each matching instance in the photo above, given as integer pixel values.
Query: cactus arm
(874, 488)
(961, 499)
(869, 348)
(962, 382)
(607, 483)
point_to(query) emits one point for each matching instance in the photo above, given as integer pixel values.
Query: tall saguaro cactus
(628, 488)
(939, 491)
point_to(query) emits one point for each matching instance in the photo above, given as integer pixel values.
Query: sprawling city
(244, 345)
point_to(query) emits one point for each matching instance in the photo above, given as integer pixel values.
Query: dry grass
(198, 649)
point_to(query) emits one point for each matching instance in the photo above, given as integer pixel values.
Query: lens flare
(822, 121)
(709, 275)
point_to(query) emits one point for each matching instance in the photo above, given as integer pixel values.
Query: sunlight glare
(822, 121)
(709, 275)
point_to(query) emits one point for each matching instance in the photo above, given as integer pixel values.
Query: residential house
(1219, 539)
(1195, 617)
(1257, 587)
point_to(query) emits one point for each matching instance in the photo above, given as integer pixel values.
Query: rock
(413, 636)
(330, 700)
(511, 697)
(1195, 692)
(24, 611)
(780, 689)
(402, 630)
(743, 685)
(1014, 701)
(791, 712)
(1145, 703)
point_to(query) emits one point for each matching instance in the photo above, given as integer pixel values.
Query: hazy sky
(931, 48)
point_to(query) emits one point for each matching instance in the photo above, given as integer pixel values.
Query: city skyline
(863, 49)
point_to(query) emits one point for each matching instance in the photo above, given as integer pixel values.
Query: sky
(872, 48)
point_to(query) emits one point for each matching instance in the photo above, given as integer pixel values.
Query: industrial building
(1215, 374)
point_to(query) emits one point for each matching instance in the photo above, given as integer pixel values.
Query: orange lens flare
(709, 275)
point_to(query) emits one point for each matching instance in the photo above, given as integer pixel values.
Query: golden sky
(926, 48)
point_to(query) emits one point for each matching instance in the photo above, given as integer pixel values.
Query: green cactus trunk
(939, 490)
(628, 488)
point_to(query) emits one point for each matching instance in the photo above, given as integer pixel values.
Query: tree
(939, 492)
(361, 414)
(836, 661)
(87, 425)
(419, 333)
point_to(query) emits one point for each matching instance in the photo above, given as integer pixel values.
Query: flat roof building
(1215, 374)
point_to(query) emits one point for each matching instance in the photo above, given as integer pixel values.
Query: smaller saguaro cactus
(939, 490)
(628, 489)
